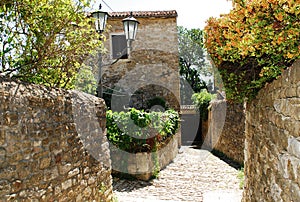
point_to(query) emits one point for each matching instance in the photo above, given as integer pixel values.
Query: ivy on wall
(253, 44)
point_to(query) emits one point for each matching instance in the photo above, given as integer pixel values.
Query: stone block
(57, 190)
(298, 91)
(91, 180)
(87, 192)
(73, 172)
(2, 136)
(294, 146)
(11, 118)
(45, 162)
(2, 156)
(131, 165)
(66, 184)
(5, 187)
(295, 73)
(64, 169)
(142, 162)
(295, 191)
(290, 92)
(17, 185)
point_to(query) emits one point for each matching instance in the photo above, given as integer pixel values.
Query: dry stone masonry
(272, 154)
(53, 145)
(226, 129)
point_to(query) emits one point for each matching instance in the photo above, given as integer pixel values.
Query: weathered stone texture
(152, 67)
(53, 145)
(226, 129)
(143, 165)
(272, 153)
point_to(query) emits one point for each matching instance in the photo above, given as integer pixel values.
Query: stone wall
(143, 165)
(53, 145)
(152, 66)
(226, 129)
(272, 154)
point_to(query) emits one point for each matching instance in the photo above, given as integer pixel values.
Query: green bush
(139, 131)
(202, 100)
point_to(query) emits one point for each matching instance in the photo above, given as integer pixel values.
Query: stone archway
(154, 95)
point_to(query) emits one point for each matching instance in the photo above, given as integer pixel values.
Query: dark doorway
(190, 127)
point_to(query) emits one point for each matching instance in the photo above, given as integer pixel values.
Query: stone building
(148, 73)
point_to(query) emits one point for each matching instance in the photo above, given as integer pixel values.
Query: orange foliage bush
(253, 44)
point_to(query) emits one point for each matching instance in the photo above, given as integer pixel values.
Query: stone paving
(195, 175)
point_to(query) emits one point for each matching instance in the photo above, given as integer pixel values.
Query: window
(119, 47)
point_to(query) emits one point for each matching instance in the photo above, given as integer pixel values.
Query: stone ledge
(142, 165)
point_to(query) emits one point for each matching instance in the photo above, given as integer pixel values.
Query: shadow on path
(222, 157)
(195, 175)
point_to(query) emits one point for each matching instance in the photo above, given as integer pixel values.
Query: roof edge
(144, 14)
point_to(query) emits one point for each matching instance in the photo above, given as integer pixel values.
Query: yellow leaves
(264, 4)
(280, 40)
(227, 47)
(262, 72)
(262, 25)
(264, 33)
(279, 17)
(290, 55)
(273, 1)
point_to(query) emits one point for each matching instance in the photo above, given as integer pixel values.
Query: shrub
(253, 44)
(139, 131)
(202, 100)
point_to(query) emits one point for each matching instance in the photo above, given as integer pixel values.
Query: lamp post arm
(99, 87)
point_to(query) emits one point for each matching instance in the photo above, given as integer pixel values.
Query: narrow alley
(195, 175)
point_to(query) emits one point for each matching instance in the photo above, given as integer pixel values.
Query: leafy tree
(192, 57)
(85, 80)
(45, 42)
(253, 44)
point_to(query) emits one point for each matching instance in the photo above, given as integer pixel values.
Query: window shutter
(119, 47)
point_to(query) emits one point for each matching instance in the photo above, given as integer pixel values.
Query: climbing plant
(253, 44)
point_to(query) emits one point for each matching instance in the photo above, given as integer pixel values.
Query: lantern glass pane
(130, 28)
(100, 20)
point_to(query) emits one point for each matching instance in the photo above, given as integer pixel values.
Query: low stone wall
(226, 129)
(53, 145)
(142, 165)
(272, 154)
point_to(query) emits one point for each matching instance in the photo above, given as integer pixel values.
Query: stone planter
(143, 165)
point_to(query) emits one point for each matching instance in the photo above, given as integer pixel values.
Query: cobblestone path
(195, 175)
